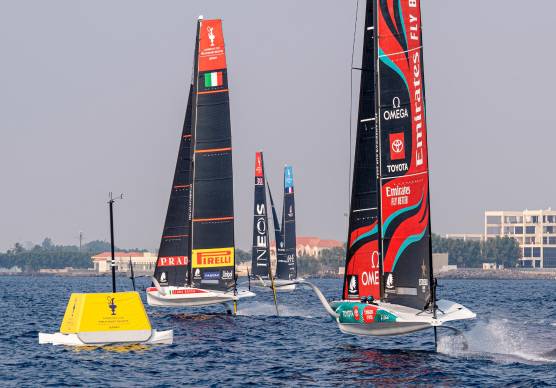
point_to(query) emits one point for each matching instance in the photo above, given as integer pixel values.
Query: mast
(212, 237)
(363, 264)
(286, 265)
(404, 172)
(260, 260)
(173, 263)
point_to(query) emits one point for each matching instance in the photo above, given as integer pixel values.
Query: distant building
(439, 262)
(310, 246)
(466, 236)
(142, 261)
(489, 266)
(535, 231)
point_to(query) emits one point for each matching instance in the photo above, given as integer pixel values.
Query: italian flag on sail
(213, 79)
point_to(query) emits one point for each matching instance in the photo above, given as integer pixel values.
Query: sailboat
(195, 265)
(389, 287)
(286, 252)
(260, 260)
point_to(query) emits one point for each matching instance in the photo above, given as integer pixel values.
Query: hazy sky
(93, 96)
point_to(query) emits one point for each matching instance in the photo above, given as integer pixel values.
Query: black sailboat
(286, 242)
(260, 261)
(389, 287)
(196, 264)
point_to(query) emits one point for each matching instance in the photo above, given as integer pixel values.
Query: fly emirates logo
(415, 35)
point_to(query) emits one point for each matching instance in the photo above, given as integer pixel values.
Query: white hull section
(191, 297)
(408, 320)
(281, 285)
(157, 338)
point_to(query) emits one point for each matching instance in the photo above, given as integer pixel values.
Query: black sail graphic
(213, 211)
(362, 274)
(286, 266)
(173, 264)
(260, 262)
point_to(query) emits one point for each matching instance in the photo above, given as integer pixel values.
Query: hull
(157, 338)
(191, 297)
(385, 319)
(283, 285)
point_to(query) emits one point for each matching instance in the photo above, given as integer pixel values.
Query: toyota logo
(397, 146)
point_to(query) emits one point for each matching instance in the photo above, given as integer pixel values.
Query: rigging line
(351, 105)
(350, 118)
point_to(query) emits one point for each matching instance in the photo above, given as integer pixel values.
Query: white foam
(497, 339)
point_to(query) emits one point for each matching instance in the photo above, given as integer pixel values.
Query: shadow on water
(392, 366)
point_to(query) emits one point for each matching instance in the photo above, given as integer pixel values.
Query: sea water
(512, 342)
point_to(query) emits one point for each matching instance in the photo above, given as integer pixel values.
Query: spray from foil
(499, 340)
(268, 309)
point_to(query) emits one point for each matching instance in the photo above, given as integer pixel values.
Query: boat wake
(498, 340)
(268, 309)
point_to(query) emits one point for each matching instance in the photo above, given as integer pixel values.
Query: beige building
(309, 246)
(535, 231)
(142, 261)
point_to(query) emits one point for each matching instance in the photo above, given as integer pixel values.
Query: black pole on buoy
(113, 263)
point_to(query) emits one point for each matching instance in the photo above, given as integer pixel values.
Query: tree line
(49, 255)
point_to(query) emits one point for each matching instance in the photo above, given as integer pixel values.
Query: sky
(93, 95)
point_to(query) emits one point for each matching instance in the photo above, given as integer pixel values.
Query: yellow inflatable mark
(107, 312)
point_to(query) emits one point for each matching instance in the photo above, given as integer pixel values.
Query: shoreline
(498, 274)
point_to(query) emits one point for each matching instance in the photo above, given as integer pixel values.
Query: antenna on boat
(113, 263)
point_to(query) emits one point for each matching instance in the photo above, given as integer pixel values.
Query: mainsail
(173, 264)
(213, 209)
(197, 246)
(260, 262)
(362, 274)
(389, 254)
(286, 264)
(404, 175)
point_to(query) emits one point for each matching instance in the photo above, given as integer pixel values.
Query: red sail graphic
(405, 225)
(212, 55)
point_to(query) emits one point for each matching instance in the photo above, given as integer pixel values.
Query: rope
(350, 114)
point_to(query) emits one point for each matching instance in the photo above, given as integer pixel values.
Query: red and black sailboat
(389, 288)
(196, 264)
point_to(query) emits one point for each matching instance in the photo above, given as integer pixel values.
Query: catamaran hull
(165, 337)
(192, 297)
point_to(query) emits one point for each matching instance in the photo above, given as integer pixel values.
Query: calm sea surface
(513, 342)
